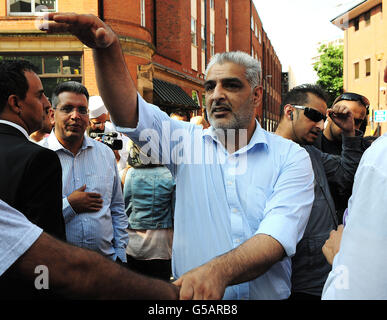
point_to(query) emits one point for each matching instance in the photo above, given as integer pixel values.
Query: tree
(329, 70)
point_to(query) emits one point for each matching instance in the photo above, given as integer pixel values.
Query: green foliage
(329, 70)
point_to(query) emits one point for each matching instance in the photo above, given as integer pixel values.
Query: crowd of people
(204, 207)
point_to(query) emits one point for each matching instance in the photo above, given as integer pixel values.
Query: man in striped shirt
(93, 206)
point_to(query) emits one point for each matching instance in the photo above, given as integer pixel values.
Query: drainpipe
(155, 23)
(101, 10)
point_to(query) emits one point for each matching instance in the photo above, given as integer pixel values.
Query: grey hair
(252, 66)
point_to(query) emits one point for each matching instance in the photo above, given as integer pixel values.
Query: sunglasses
(311, 114)
(350, 96)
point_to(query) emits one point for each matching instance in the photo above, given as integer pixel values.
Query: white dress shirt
(359, 268)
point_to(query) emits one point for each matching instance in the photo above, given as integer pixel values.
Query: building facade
(365, 55)
(167, 45)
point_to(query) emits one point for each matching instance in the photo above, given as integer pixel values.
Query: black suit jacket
(31, 180)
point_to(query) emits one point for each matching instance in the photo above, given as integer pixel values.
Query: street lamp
(266, 109)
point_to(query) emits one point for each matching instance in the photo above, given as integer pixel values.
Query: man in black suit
(31, 176)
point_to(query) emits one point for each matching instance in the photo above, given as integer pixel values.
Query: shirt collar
(54, 144)
(16, 126)
(258, 137)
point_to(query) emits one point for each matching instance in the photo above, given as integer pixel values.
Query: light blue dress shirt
(17, 234)
(94, 165)
(224, 199)
(359, 268)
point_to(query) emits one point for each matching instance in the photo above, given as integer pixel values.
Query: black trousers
(303, 297)
(156, 268)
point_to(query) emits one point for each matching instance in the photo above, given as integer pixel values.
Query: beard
(234, 120)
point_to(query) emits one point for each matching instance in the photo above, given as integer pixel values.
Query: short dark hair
(68, 86)
(13, 79)
(299, 95)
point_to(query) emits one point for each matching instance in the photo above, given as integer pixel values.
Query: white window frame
(32, 13)
(194, 37)
(142, 13)
(212, 4)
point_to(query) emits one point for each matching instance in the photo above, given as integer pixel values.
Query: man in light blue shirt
(93, 206)
(243, 195)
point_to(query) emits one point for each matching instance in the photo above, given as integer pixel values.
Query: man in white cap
(97, 114)
(99, 123)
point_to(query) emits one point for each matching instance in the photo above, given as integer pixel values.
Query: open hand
(89, 29)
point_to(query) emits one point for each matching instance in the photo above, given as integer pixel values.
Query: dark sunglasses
(312, 114)
(350, 96)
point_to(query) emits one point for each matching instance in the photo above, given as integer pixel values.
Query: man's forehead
(315, 102)
(226, 70)
(33, 80)
(67, 97)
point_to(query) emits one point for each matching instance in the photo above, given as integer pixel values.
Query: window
(203, 35)
(227, 27)
(195, 97)
(252, 23)
(368, 67)
(142, 4)
(367, 18)
(212, 4)
(53, 69)
(356, 23)
(356, 70)
(194, 40)
(31, 7)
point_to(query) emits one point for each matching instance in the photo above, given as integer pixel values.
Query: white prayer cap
(96, 107)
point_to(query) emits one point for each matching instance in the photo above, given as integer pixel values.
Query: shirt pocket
(101, 183)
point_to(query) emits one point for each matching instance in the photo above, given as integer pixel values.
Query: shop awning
(169, 94)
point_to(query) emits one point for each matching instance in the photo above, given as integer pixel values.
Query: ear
(51, 116)
(288, 111)
(257, 96)
(14, 104)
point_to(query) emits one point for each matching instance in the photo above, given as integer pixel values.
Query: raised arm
(114, 82)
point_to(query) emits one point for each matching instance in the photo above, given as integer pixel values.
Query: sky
(295, 27)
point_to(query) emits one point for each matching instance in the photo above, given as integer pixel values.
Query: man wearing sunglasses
(330, 141)
(303, 113)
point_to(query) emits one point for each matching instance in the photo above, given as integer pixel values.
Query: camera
(110, 139)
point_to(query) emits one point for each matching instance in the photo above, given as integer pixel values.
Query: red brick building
(167, 45)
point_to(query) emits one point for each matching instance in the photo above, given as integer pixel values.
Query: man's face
(32, 107)
(306, 131)
(71, 117)
(359, 114)
(98, 124)
(231, 102)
